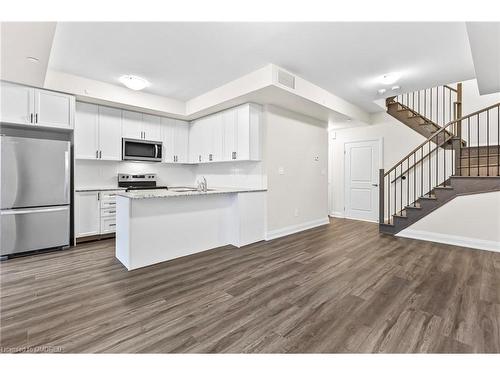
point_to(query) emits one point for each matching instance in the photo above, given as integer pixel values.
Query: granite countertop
(109, 188)
(162, 193)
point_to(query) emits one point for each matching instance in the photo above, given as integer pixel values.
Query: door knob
(375, 185)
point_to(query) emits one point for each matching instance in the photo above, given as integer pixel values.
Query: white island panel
(153, 230)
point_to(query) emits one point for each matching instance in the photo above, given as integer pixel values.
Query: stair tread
(413, 207)
(429, 198)
(444, 187)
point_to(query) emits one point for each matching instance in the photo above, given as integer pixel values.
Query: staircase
(460, 156)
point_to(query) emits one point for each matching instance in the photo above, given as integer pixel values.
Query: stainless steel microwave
(141, 150)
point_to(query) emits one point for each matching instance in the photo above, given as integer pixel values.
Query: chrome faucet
(202, 185)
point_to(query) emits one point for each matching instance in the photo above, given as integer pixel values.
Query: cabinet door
(87, 216)
(17, 104)
(181, 141)
(151, 126)
(194, 142)
(54, 109)
(230, 133)
(132, 125)
(243, 133)
(167, 138)
(110, 133)
(216, 132)
(86, 135)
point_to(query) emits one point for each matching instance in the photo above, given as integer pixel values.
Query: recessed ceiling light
(389, 78)
(395, 88)
(134, 82)
(381, 91)
(32, 59)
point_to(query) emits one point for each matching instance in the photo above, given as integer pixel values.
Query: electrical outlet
(316, 158)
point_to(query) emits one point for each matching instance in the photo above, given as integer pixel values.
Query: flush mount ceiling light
(32, 59)
(134, 82)
(381, 91)
(389, 78)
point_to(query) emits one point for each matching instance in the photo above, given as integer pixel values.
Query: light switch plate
(281, 170)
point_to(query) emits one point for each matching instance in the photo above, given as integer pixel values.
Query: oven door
(142, 150)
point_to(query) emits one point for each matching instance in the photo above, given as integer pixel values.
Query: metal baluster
(401, 190)
(429, 156)
(477, 119)
(437, 162)
(498, 141)
(389, 197)
(408, 182)
(487, 143)
(468, 143)
(395, 190)
(430, 100)
(414, 181)
(421, 171)
(444, 106)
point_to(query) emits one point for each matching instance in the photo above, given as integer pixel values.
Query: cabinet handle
(112, 225)
(36, 118)
(199, 157)
(112, 212)
(31, 118)
(234, 155)
(210, 157)
(97, 154)
(98, 196)
(100, 154)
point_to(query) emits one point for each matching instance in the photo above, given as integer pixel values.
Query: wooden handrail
(439, 132)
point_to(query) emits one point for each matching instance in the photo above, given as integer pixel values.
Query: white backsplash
(103, 174)
(233, 174)
(90, 173)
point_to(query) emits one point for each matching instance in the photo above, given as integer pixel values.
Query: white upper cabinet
(181, 141)
(98, 132)
(151, 127)
(86, 132)
(110, 133)
(29, 106)
(54, 109)
(167, 138)
(231, 135)
(17, 104)
(132, 125)
(230, 122)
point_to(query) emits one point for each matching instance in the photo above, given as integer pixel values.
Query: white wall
(298, 198)
(470, 221)
(398, 141)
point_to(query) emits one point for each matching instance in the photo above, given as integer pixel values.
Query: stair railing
(440, 104)
(438, 158)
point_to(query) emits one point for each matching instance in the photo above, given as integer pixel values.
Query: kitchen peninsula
(153, 226)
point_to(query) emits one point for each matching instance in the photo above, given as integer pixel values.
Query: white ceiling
(184, 60)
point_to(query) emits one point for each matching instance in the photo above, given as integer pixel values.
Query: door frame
(380, 141)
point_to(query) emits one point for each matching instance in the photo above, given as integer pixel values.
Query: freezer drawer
(33, 229)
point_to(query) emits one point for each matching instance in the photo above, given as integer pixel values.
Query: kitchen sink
(185, 189)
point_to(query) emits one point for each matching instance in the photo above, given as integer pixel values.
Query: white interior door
(362, 163)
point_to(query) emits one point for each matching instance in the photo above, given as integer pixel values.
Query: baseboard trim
(338, 214)
(473, 243)
(277, 233)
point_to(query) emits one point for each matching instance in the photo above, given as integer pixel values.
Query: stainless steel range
(139, 181)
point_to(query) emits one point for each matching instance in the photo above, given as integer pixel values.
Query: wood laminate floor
(337, 288)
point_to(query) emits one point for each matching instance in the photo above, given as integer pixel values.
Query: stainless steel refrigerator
(35, 197)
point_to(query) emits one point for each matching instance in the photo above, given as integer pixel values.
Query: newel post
(457, 142)
(381, 196)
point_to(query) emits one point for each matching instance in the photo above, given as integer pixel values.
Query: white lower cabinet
(95, 213)
(87, 213)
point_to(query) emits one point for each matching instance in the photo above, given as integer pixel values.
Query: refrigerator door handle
(33, 211)
(66, 175)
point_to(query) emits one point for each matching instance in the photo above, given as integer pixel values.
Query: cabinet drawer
(108, 195)
(108, 224)
(108, 212)
(107, 204)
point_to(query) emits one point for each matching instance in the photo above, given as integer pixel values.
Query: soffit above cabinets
(23, 40)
